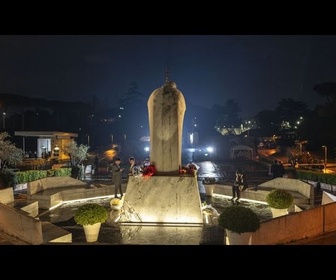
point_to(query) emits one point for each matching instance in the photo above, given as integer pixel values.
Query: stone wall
(297, 226)
(51, 183)
(17, 223)
(290, 184)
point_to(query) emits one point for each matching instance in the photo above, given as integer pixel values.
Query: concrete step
(55, 234)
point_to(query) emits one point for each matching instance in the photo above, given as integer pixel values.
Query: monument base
(162, 199)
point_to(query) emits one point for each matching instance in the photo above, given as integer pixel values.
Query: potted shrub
(90, 216)
(238, 222)
(279, 201)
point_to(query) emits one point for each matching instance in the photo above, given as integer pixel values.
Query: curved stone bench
(53, 191)
(303, 193)
(51, 198)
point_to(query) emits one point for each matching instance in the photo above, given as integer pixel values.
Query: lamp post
(325, 158)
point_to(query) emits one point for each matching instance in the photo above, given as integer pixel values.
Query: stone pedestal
(163, 199)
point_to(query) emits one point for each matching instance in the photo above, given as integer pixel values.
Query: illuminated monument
(167, 197)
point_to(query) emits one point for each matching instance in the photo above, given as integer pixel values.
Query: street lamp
(325, 158)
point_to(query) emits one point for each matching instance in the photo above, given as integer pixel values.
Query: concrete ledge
(6, 195)
(293, 227)
(53, 197)
(29, 206)
(260, 193)
(55, 234)
(19, 224)
(293, 185)
(51, 183)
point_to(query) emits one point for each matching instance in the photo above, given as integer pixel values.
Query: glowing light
(210, 149)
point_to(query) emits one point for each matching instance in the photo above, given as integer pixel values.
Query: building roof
(46, 134)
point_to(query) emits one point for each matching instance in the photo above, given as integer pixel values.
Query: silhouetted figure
(282, 171)
(117, 177)
(239, 185)
(275, 169)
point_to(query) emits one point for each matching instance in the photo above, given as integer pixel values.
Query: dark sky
(254, 70)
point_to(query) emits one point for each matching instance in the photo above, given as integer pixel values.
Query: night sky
(254, 70)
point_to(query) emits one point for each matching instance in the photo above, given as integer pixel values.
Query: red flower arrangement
(149, 171)
(189, 169)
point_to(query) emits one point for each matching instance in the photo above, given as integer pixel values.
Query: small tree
(10, 155)
(77, 154)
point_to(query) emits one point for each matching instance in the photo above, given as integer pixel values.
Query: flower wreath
(189, 169)
(149, 171)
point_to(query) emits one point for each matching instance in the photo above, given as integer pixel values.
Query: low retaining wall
(51, 183)
(17, 223)
(29, 206)
(297, 226)
(54, 197)
(6, 195)
(289, 184)
(260, 193)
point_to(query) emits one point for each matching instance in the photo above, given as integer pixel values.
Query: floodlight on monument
(146, 149)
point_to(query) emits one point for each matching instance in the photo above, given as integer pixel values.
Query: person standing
(274, 169)
(282, 171)
(134, 169)
(117, 177)
(239, 185)
(132, 166)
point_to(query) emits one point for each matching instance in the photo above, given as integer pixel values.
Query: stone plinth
(164, 199)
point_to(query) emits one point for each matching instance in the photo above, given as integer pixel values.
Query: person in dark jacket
(239, 185)
(275, 169)
(117, 177)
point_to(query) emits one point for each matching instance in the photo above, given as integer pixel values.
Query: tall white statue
(166, 109)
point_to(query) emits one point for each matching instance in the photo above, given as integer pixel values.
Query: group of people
(239, 185)
(117, 172)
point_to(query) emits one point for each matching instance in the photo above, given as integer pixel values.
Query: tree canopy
(10, 155)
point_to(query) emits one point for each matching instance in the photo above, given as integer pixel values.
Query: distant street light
(325, 158)
(3, 120)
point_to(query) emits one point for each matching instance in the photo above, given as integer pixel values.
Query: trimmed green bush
(239, 219)
(279, 199)
(91, 213)
(22, 177)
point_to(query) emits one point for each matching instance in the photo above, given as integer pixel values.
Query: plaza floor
(115, 233)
